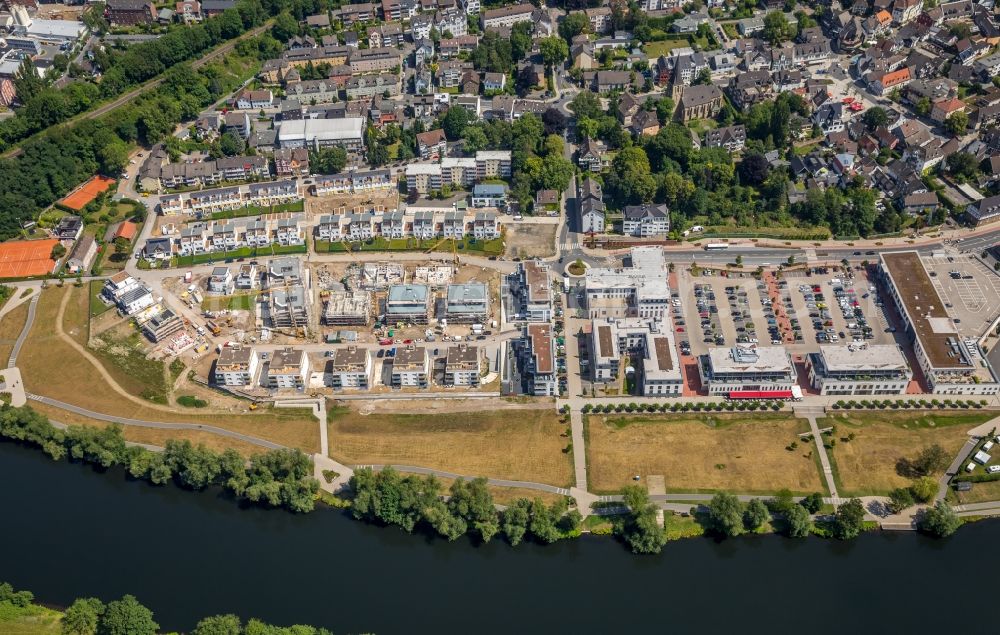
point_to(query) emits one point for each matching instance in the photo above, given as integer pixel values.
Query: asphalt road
(32, 306)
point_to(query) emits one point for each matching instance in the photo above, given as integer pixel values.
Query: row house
(288, 231)
(254, 100)
(312, 91)
(423, 225)
(217, 200)
(351, 182)
(243, 168)
(507, 16)
(371, 85)
(332, 55)
(273, 193)
(374, 60)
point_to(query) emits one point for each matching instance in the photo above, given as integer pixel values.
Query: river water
(67, 531)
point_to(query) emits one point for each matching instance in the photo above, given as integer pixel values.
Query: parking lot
(971, 291)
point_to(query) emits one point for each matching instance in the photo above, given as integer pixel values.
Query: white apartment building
(236, 366)
(351, 367)
(538, 360)
(859, 369)
(462, 366)
(410, 367)
(288, 369)
(530, 288)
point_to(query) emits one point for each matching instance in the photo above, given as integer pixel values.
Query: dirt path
(105, 375)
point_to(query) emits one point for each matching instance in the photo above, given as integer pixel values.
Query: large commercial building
(637, 291)
(859, 369)
(951, 364)
(649, 345)
(748, 371)
(317, 133)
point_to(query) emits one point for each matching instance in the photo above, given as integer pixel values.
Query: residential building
(291, 162)
(255, 100)
(247, 277)
(236, 366)
(82, 255)
(372, 85)
(639, 290)
(374, 60)
(345, 308)
(648, 343)
(984, 212)
(645, 221)
(466, 303)
(859, 369)
(161, 324)
(129, 12)
(530, 288)
(350, 367)
(410, 367)
(407, 303)
(221, 281)
(951, 364)
(286, 307)
(69, 228)
(462, 366)
(489, 195)
(590, 201)
(538, 360)
(288, 369)
(506, 16)
(431, 144)
(732, 138)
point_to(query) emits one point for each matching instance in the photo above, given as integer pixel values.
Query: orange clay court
(87, 192)
(23, 258)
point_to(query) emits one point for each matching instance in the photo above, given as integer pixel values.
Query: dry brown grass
(530, 241)
(10, 328)
(980, 493)
(51, 367)
(701, 452)
(153, 436)
(523, 445)
(867, 464)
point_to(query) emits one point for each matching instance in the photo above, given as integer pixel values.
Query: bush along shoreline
(283, 479)
(87, 616)
(276, 478)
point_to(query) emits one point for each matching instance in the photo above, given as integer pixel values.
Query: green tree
(924, 489)
(127, 617)
(515, 519)
(331, 160)
(777, 29)
(640, 530)
(58, 251)
(797, 522)
(630, 178)
(725, 514)
(847, 522)
(573, 25)
(899, 499)
(218, 625)
(82, 616)
(812, 503)
(113, 157)
(122, 245)
(963, 166)
(957, 124)
(285, 27)
(923, 106)
(455, 121)
(755, 515)
(875, 117)
(473, 502)
(554, 50)
(939, 521)
(231, 144)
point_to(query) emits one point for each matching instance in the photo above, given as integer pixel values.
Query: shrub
(190, 401)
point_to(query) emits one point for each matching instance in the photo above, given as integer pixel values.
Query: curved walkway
(125, 421)
(32, 306)
(498, 482)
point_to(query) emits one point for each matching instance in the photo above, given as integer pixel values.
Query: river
(69, 531)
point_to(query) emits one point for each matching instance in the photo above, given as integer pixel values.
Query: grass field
(742, 453)
(10, 328)
(151, 436)
(97, 306)
(980, 493)
(32, 620)
(663, 47)
(523, 445)
(867, 465)
(243, 302)
(51, 367)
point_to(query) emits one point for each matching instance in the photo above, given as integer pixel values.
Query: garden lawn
(742, 453)
(524, 445)
(867, 464)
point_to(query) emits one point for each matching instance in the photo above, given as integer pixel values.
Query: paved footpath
(810, 412)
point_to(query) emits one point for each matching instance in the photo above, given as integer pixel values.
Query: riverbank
(202, 554)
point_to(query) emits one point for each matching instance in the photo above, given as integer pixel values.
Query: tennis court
(22, 258)
(78, 198)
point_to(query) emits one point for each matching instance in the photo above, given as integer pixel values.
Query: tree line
(418, 503)
(127, 616)
(277, 478)
(55, 162)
